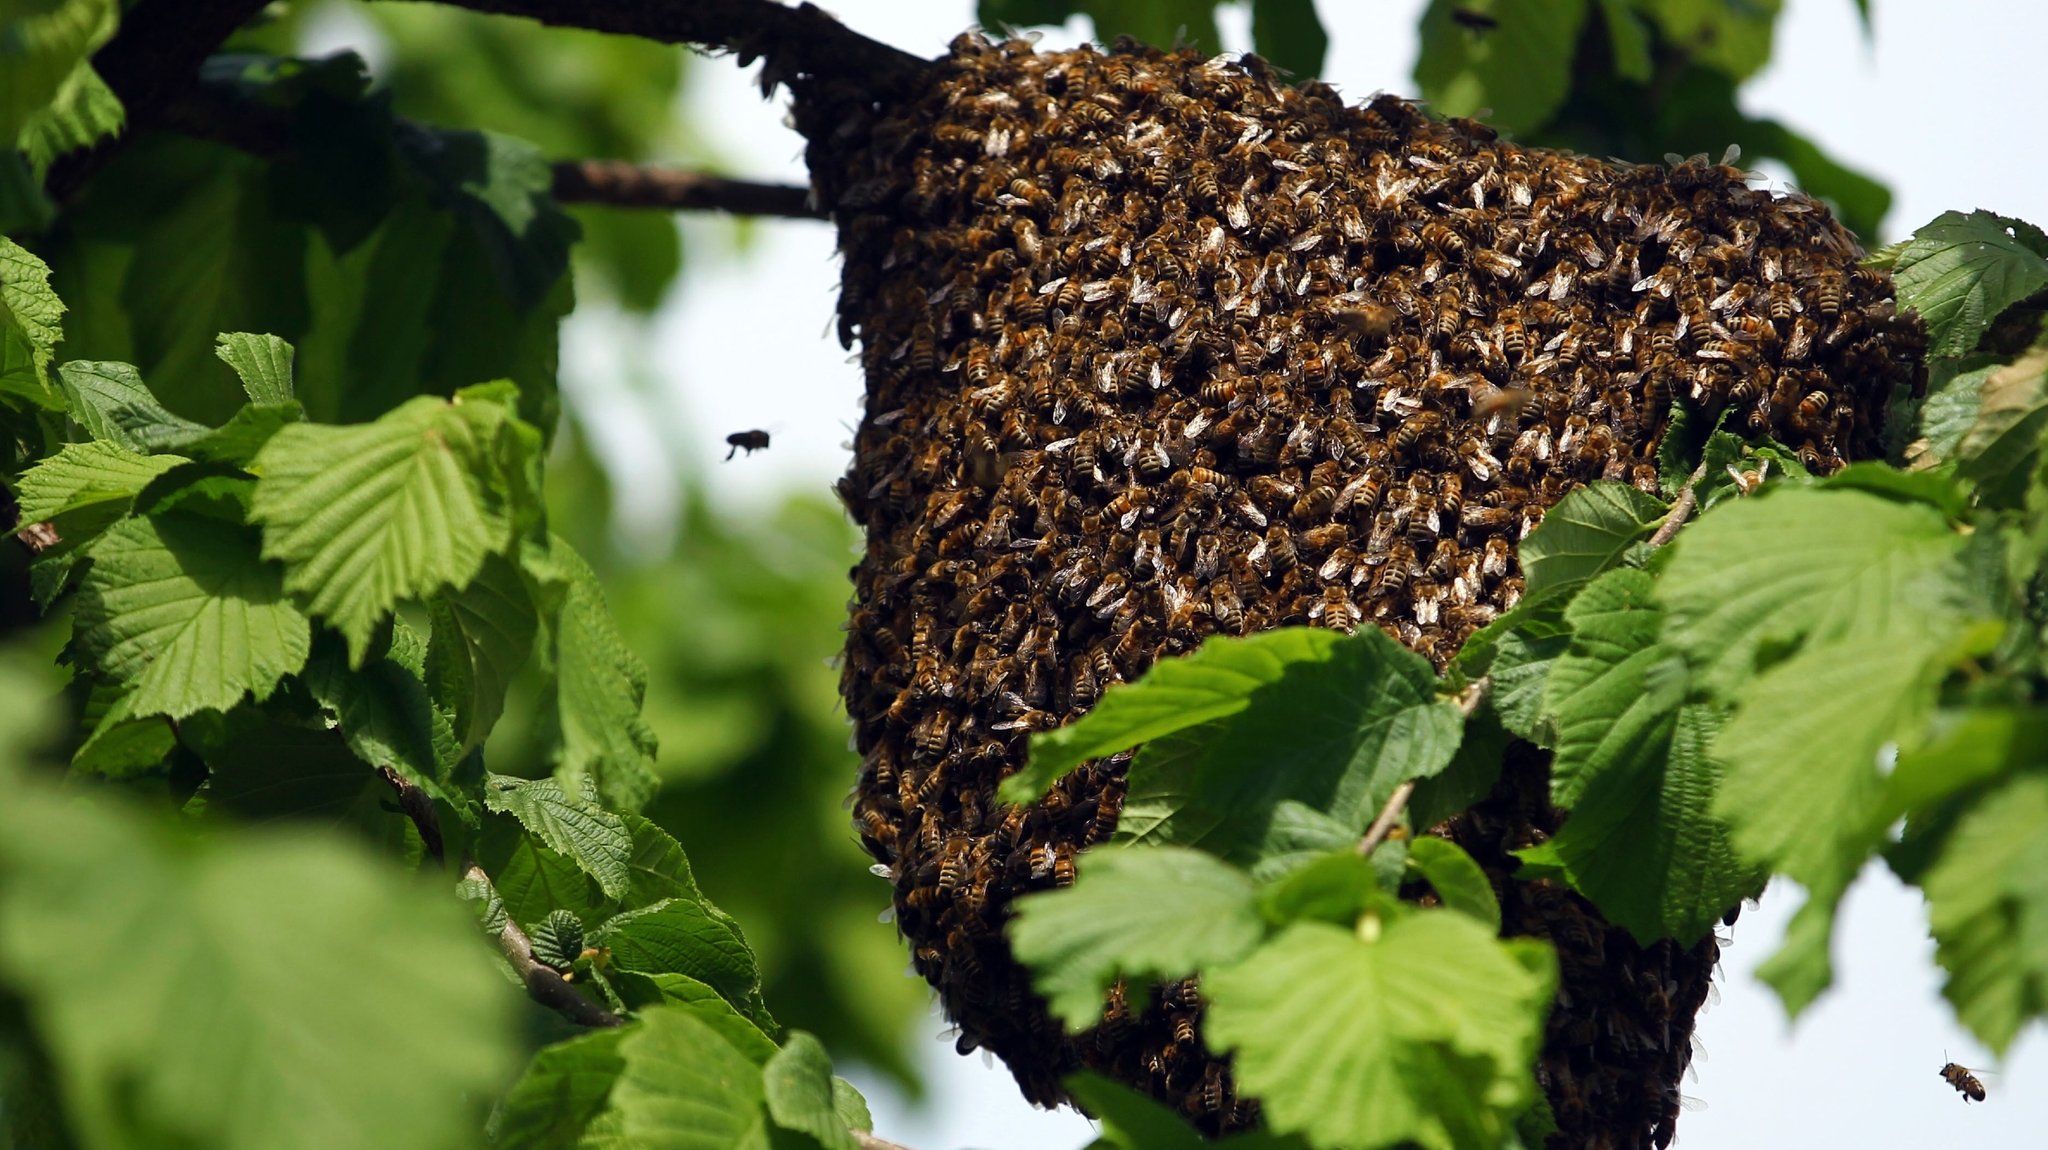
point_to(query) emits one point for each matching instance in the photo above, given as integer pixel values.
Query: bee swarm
(1157, 348)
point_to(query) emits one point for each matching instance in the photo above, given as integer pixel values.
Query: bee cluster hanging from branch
(1158, 348)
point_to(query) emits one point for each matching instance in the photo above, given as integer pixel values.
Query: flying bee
(1966, 1083)
(748, 441)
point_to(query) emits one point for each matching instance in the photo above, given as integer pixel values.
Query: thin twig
(1383, 824)
(543, 984)
(419, 807)
(867, 1141)
(618, 184)
(1681, 508)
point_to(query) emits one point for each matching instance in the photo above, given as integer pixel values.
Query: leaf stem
(1681, 508)
(543, 983)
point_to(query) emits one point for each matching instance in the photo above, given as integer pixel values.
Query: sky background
(1945, 105)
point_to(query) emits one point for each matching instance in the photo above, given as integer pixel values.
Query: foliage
(342, 640)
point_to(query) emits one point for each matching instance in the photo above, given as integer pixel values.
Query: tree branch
(803, 41)
(419, 807)
(1681, 508)
(543, 984)
(867, 1141)
(618, 184)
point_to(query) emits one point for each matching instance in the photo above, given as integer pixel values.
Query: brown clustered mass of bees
(1158, 348)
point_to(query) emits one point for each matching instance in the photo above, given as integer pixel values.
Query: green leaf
(110, 401)
(272, 763)
(584, 832)
(1133, 1121)
(2000, 449)
(1288, 33)
(1964, 749)
(383, 713)
(640, 991)
(1906, 486)
(238, 441)
(685, 1087)
(1520, 68)
(563, 1089)
(1333, 722)
(1585, 534)
(182, 610)
(120, 744)
(222, 991)
(593, 706)
(1631, 40)
(264, 363)
(482, 635)
(1643, 842)
(1756, 575)
(368, 515)
(1802, 790)
(1217, 680)
(40, 44)
(1960, 271)
(31, 323)
(83, 474)
(1424, 1033)
(1987, 901)
(1297, 834)
(1153, 913)
(1734, 39)
(1616, 690)
(83, 112)
(1950, 410)
(798, 1086)
(502, 189)
(1459, 882)
(1337, 887)
(1520, 668)
(1802, 968)
(851, 1107)
(685, 936)
(1471, 775)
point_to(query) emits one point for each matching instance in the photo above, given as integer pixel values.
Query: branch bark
(1681, 508)
(419, 807)
(543, 984)
(801, 41)
(622, 185)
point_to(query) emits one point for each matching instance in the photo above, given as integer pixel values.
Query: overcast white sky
(744, 343)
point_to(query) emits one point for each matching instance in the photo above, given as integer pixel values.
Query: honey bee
(1827, 292)
(1966, 1083)
(1225, 606)
(748, 441)
(1314, 505)
(1335, 610)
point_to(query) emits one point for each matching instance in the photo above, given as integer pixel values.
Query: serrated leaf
(1756, 575)
(851, 1106)
(1643, 842)
(1987, 899)
(562, 1090)
(237, 441)
(1217, 680)
(183, 611)
(31, 323)
(83, 474)
(43, 43)
(558, 939)
(1153, 913)
(583, 832)
(1615, 691)
(121, 744)
(1520, 68)
(382, 712)
(81, 113)
(1424, 1034)
(1882, 479)
(1802, 790)
(368, 515)
(2001, 446)
(482, 635)
(1456, 877)
(1960, 271)
(264, 363)
(1802, 966)
(684, 1087)
(593, 706)
(640, 991)
(1297, 833)
(1470, 777)
(269, 763)
(685, 936)
(1332, 722)
(1586, 533)
(797, 1085)
(1964, 749)
(110, 401)
(1949, 411)
(215, 995)
(1520, 671)
(1289, 33)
